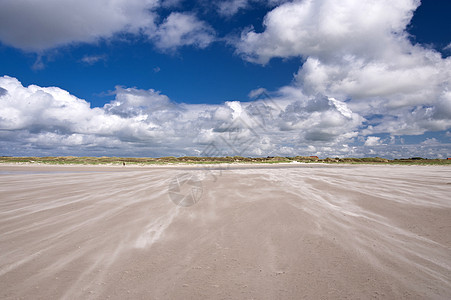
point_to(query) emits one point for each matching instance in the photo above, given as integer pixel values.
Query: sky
(152, 78)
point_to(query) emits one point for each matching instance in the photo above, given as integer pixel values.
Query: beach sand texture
(266, 232)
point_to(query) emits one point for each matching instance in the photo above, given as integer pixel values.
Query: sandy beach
(293, 231)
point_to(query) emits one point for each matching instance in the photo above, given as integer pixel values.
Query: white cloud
(372, 141)
(327, 29)
(430, 141)
(320, 120)
(257, 92)
(231, 7)
(50, 121)
(416, 119)
(182, 29)
(359, 50)
(38, 26)
(145, 122)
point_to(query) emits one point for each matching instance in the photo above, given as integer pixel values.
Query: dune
(287, 231)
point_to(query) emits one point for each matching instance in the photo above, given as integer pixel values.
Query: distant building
(316, 157)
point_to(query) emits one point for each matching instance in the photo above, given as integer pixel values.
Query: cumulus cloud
(37, 26)
(3, 91)
(146, 122)
(38, 120)
(328, 29)
(40, 25)
(320, 119)
(359, 51)
(50, 121)
(182, 29)
(372, 141)
(53, 118)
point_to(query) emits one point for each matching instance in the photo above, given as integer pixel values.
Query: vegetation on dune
(215, 160)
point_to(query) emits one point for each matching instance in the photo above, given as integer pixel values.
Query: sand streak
(267, 232)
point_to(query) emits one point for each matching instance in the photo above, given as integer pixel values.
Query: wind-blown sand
(262, 232)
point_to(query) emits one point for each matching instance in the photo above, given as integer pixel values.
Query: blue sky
(174, 77)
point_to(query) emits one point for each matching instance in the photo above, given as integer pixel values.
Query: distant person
(123, 163)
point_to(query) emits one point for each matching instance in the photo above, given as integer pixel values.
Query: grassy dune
(214, 160)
